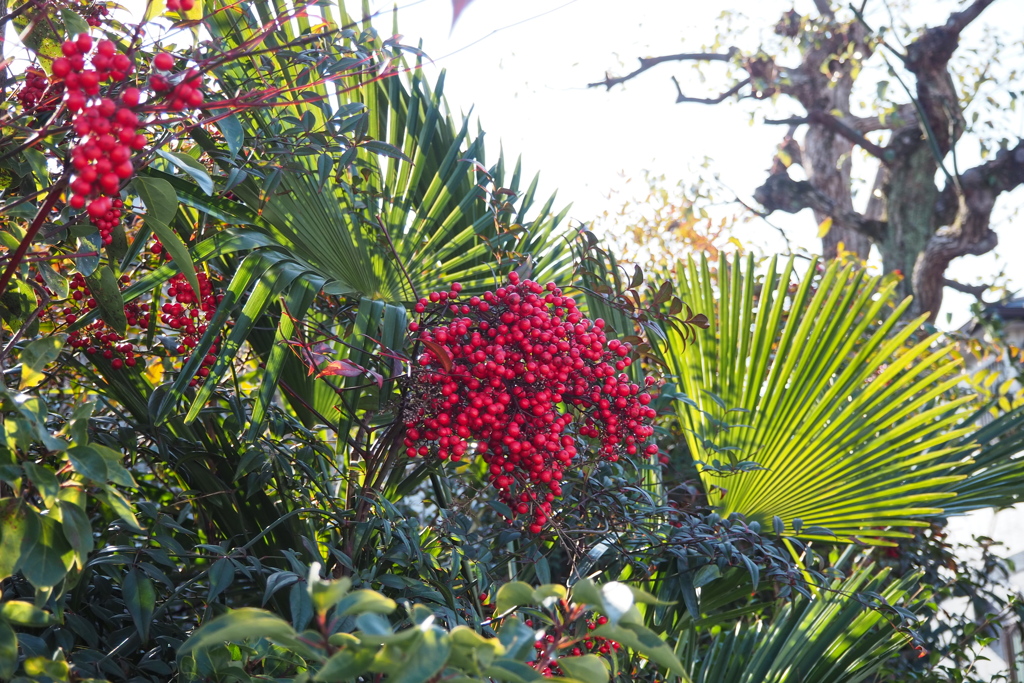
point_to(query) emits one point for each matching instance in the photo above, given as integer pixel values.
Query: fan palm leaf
(845, 406)
(833, 637)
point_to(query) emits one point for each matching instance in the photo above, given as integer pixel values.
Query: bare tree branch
(905, 115)
(974, 290)
(836, 125)
(650, 62)
(927, 58)
(970, 231)
(782, 193)
(680, 97)
(958, 21)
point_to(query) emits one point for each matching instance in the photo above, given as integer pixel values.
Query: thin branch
(905, 115)
(650, 62)
(837, 126)
(974, 290)
(44, 210)
(958, 21)
(764, 216)
(680, 97)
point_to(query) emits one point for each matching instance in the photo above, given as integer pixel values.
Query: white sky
(527, 85)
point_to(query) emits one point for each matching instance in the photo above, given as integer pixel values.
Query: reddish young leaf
(341, 367)
(440, 353)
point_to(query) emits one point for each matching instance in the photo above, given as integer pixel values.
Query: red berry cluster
(525, 377)
(186, 93)
(108, 131)
(97, 337)
(33, 89)
(180, 5)
(95, 14)
(576, 647)
(109, 221)
(191, 315)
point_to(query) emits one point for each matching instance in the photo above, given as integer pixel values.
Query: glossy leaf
(8, 651)
(104, 287)
(513, 594)
(46, 555)
(161, 205)
(587, 668)
(140, 599)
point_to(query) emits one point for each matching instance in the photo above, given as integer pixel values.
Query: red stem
(30, 234)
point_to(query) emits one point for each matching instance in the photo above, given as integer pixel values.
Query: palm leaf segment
(831, 638)
(840, 400)
(415, 213)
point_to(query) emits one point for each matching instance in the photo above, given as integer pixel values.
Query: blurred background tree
(860, 81)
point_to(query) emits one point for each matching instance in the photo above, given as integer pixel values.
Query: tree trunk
(826, 159)
(910, 196)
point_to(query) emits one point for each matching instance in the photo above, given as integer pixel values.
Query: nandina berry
(163, 61)
(84, 42)
(531, 383)
(61, 67)
(131, 97)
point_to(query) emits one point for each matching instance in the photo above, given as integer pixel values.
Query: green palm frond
(382, 197)
(995, 475)
(831, 638)
(840, 401)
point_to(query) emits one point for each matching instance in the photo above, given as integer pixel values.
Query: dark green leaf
(231, 129)
(361, 601)
(161, 205)
(512, 595)
(646, 642)
(222, 573)
(345, 665)
(41, 352)
(430, 656)
(88, 462)
(13, 523)
(77, 528)
(44, 480)
(55, 281)
(140, 599)
(588, 668)
(388, 150)
(46, 555)
(74, 24)
(706, 575)
(8, 651)
(104, 287)
(247, 623)
(92, 245)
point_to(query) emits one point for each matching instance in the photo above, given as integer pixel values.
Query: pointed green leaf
(8, 651)
(104, 287)
(46, 555)
(190, 166)
(161, 205)
(140, 599)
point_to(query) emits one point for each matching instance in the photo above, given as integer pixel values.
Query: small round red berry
(163, 61)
